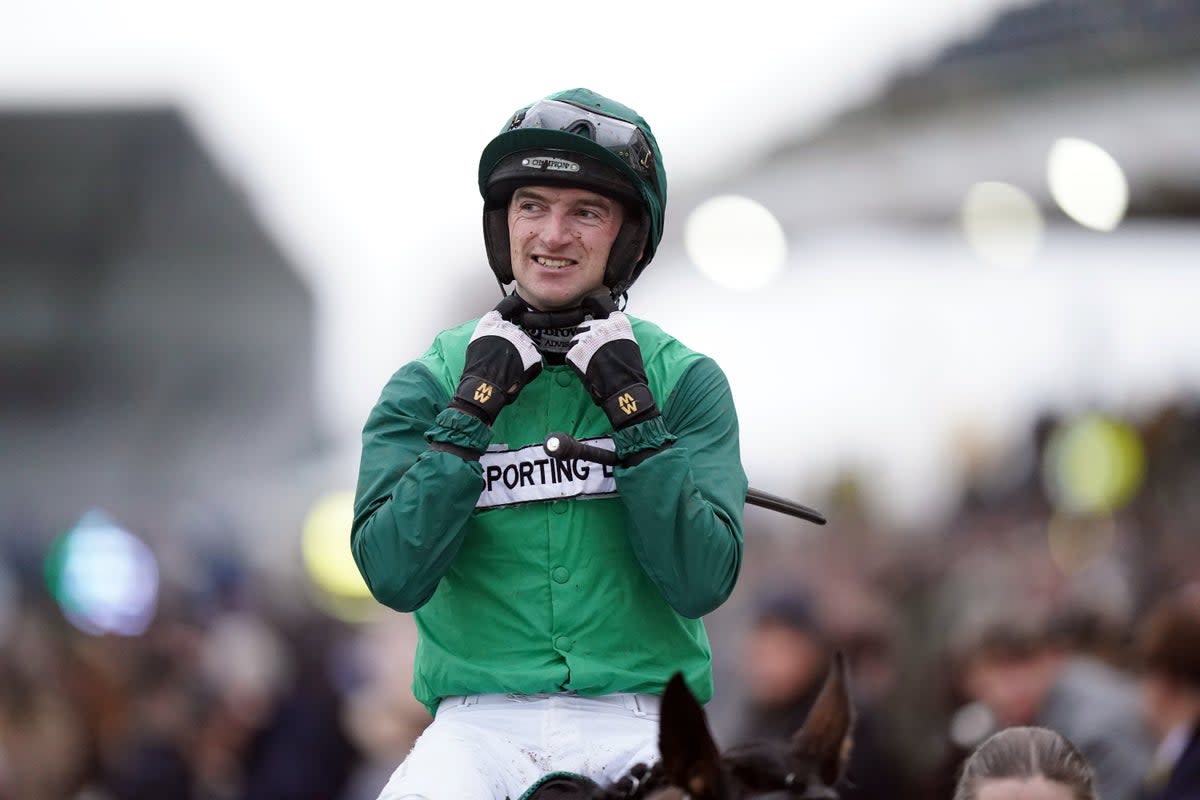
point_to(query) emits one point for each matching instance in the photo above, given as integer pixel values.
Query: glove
(501, 360)
(609, 362)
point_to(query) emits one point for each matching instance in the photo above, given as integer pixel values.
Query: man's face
(559, 240)
(1013, 688)
(781, 664)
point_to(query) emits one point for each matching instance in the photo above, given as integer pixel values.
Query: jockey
(553, 598)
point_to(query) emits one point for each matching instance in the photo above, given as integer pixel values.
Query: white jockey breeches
(493, 746)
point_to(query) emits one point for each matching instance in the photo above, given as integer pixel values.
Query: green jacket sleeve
(412, 503)
(685, 503)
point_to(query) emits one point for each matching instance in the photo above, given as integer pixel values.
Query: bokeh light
(245, 658)
(736, 242)
(1087, 183)
(1093, 465)
(103, 577)
(1076, 542)
(325, 548)
(1002, 224)
(971, 724)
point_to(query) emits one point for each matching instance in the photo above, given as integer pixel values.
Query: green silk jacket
(528, 575)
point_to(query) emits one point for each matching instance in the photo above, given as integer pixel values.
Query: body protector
(581, 139)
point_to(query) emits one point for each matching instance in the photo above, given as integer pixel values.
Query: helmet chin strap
(597, 305)
(552, 331)
(542, 320)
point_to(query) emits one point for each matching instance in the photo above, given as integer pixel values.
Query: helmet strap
(620, 271)
(626, 253)
(495, 242)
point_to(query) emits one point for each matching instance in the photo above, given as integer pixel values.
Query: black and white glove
(609, 362)
(501, 360)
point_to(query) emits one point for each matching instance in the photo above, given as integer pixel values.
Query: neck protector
(552, 331)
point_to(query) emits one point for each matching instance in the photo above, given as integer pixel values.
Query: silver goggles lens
(623, 139)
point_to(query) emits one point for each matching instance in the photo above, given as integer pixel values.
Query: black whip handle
(565, 447)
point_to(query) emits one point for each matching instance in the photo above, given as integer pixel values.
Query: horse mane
(642, 783)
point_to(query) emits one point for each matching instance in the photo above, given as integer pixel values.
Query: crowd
(953, 635)
(1015, 613)
(215, 700)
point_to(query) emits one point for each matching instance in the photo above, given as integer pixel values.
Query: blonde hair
(1026, 752)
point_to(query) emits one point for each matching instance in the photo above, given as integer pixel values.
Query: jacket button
(563, 643)
(565, 377)
(559, 506)
(560, 574)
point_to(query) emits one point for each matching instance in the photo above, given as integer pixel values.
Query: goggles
(623, 139)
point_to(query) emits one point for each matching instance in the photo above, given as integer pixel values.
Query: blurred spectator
(43, 748)
(151, 759)
(1019, 671)
(1026, 763)
(1169, 645)
(1087, 631)
(784, 663)
(383, 718)
(243, 703)
(244, 665)
(302, 751)
(213, 695)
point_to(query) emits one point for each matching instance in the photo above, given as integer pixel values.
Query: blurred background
(946, 253)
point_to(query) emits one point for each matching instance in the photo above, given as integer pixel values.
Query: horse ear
(825, 735)
(690, 758)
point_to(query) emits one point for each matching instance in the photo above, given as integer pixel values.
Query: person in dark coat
(1021, 673)
(784, 663)
(1169, 644)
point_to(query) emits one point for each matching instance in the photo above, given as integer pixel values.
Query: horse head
(808, 766)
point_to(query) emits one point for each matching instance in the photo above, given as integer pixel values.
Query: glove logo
(627, 404)
(483, 392)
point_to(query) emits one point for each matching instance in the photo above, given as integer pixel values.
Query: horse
(808, 766)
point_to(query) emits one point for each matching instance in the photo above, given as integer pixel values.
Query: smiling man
(554, 600)
(560, 240)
